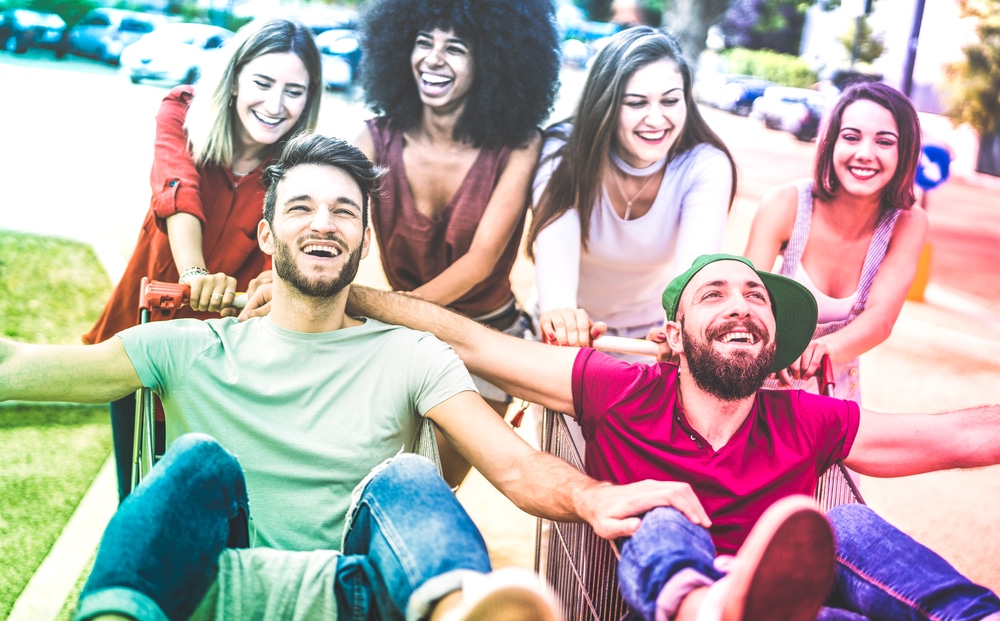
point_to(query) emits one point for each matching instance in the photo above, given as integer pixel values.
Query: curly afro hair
(515, 51)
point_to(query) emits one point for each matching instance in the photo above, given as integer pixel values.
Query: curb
(49, 588)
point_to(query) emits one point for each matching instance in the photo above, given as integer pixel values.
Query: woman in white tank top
(852, 234)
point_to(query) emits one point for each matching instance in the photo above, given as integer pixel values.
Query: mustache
(332, 238)
(760, 332)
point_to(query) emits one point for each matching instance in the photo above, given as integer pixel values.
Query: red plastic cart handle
(171, 295)
(167, 295)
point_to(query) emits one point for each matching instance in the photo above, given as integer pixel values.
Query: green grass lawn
(51, 291)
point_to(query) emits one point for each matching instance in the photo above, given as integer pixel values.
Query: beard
(319, 286)
(729, 378)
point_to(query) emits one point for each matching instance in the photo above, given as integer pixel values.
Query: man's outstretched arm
(893, 445)
(70, 373)
(546, 486)
(538, 373)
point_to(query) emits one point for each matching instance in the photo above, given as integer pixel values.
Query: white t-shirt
(621, 276)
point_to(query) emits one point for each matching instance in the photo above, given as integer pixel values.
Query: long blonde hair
(210, 118)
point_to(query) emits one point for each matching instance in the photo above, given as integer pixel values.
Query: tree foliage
(765, 24)
(784, 69)
(975, 82)
(870, 46)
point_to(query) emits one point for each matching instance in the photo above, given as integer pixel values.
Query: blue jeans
(408, 539)
(882, 573)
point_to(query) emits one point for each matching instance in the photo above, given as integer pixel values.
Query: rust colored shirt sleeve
(174, 179)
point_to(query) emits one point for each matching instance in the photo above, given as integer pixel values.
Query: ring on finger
(216, 296)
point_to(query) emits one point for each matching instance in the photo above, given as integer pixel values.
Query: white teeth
(863, 172)
(434, 79)
(266, 120)
(652, 135)
(738, 336)
(331, 250)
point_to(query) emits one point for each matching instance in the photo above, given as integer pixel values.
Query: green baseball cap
(794, 307)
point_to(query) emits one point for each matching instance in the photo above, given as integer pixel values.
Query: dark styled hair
(515, 56)
(898, 193)
(318, 149)
(576, 181)
(210, 119)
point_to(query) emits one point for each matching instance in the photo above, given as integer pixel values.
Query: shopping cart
(581, 566)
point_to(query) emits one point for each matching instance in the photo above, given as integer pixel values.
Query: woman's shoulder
(784, 196)
(182, 94)
(557, 134)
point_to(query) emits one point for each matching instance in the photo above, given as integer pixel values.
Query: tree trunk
(989, 154)
(688, 20)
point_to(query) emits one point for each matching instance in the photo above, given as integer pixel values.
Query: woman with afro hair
(462, 87)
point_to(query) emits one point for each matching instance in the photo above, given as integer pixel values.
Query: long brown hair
(576, 181)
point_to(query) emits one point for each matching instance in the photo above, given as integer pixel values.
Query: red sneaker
(784, 571)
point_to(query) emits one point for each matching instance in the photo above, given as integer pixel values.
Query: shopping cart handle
(171, 295)
(626, 345)
(826, 379)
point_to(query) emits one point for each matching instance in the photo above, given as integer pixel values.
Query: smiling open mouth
(652, 136)
(739, 337)
(325, 252)
(738, 332)
(434, 80)
(269, 121)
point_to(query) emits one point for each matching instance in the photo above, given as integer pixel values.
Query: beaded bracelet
(192, 271)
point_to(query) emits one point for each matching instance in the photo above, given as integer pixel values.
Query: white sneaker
(508, 594)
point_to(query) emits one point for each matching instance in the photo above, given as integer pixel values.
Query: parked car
(341, 55)
(739, 92)
(173, 52)
(21, 29)
(730, 92)
(794, 110)
(103, 33)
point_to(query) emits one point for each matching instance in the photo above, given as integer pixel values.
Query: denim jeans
(882, 573)
(409, 541)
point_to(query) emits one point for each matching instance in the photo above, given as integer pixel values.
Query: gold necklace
(628, 201)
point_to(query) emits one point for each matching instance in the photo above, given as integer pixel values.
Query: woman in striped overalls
(852, 233)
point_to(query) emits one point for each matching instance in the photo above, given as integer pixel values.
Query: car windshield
(31, 18)
(189, 34)
(135, 25)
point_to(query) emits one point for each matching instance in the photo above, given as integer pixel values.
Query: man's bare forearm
(892, 445)
(403, 310)
(525, 369)
(78, 374)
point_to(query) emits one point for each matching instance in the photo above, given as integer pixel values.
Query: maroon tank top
(415, 248)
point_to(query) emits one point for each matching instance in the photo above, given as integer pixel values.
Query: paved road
(78, 168)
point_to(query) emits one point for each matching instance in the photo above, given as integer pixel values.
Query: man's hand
(264, 278)
(569, 326)
(617, 508)
(258, 302)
